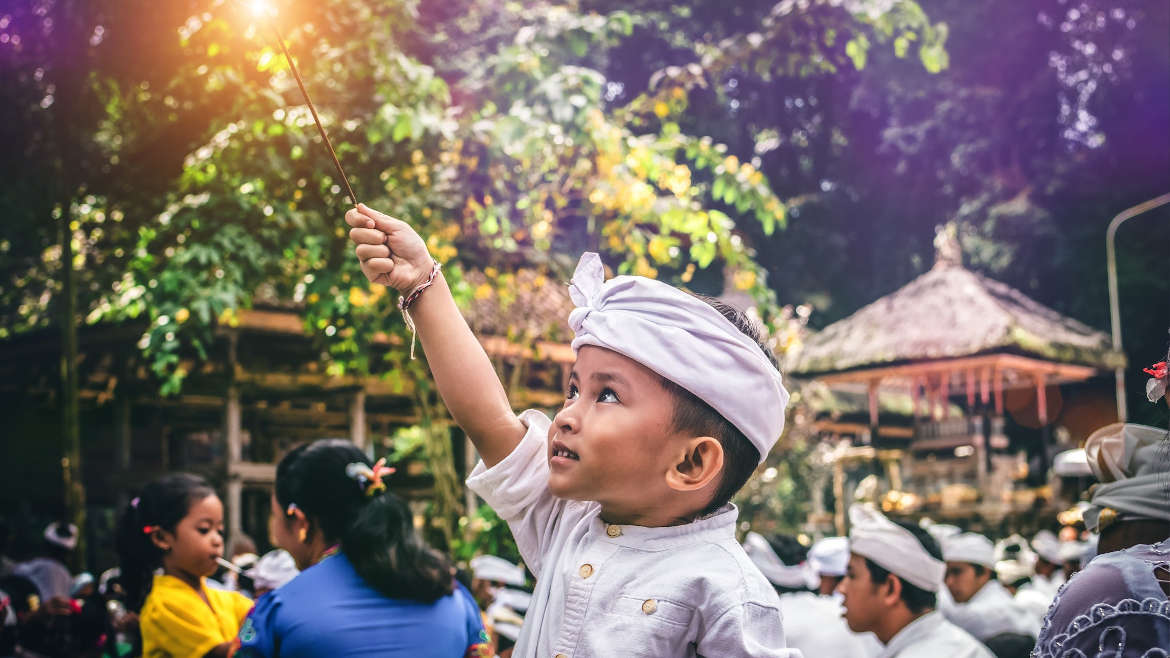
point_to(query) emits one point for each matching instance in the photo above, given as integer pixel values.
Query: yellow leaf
(661, 109)
(181, 315)
(678, 93)
(688, 273)
(731, 164)
(358, 297)
(744, 279)
(313, 298)
(491, 272)
(483, 291)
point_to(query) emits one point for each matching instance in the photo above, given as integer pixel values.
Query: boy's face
(613, 440)
(962, 581)
(863, 600)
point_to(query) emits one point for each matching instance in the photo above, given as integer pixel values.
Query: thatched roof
(534, 306)
(951, 312)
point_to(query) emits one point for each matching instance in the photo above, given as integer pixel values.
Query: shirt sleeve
(169, 628)
(747, 629)
(479, 644)
(517, 489)
(258, 633)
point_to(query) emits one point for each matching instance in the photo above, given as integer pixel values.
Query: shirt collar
(719, 526)
(912, 632)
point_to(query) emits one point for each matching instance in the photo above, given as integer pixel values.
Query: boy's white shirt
(932, 636)
(608, 590)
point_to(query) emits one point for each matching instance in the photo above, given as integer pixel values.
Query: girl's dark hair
(163, 503)
(376, 533)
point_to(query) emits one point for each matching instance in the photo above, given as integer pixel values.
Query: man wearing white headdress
(828, 558)
(812, 623)
(1047, 577)
(894, 574)
(981, 606)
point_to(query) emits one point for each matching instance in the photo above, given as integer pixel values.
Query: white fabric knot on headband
(683, 339)
(1128, 461)
(792, 576)
(893, 548)
(969, 547)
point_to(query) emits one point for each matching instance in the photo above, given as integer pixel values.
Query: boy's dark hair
(740, 457)
(791, 552)
(376, 532)
(916, 599)
(163, 503)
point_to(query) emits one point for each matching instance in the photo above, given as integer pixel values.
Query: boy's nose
(566, 420)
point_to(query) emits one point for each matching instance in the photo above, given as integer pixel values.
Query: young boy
(619, 504)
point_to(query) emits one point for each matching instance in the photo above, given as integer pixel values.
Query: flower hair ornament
(369, 479)
(1156, 386)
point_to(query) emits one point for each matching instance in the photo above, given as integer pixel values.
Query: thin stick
(228, 565)
(304, 92)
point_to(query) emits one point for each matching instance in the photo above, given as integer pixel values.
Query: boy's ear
(700, 464)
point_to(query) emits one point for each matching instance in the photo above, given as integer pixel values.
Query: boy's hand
(389, 250)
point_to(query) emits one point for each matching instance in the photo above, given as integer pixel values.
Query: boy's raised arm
(393, 254)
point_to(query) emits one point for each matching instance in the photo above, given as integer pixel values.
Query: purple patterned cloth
(1115, 608)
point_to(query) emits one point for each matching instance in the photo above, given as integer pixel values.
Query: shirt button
(586, 570)
(649, 606)
(613, 531)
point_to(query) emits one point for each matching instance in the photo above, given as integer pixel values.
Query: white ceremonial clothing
(814, 625)
(932, 636)
(1037, 595)
(990, 612)
(621, 590)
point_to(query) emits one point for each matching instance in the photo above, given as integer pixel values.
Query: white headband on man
(792, 576)
(829, 556)
(1128, 462)
(969, 547)
(893, 548)
(683, 339)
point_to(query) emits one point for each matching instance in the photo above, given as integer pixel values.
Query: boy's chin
(564, 487)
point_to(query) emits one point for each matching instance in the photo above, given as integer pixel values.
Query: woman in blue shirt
(369, 585)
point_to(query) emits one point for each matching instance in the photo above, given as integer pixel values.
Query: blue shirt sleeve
(258, 636)
(478, 643)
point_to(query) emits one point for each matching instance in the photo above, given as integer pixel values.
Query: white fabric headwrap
(1131, 465)
(683, 339)
(1047, 546)
(490, 567)
(829, 556)
(969, 547)
(893, 548)
(274, 569)
(796, 576)
(53, 535)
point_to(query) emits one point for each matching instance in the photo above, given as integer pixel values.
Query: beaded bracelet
(404, 303)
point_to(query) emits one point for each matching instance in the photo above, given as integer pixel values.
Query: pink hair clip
(1156, 386)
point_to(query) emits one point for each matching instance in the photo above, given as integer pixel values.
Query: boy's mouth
(559, 450)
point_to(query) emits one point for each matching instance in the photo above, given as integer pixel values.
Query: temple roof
(950, 312)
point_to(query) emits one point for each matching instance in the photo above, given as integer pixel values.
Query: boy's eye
(571, 394)
(607, 395)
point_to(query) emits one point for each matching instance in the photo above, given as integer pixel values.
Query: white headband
(829, 556)
(794, 576)
(893, 548)
(67, 541)
(969, 547)
(490, 567)
(683, 339)
(1047, 546)
(1128, 462)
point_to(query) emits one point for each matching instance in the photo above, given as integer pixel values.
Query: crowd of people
(620, 507)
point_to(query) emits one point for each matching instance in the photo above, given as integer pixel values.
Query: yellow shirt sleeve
(177, 623)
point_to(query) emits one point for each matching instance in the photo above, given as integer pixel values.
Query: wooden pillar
(1042, 414)
(916, 396)
(873, 411)
(985, 386)
(359, 429)
(125, 433)
(997, 385)
(944, 394)
(233, 430)
(970, 391)
(839, 497)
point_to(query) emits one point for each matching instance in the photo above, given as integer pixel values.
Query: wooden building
(262, 389)
(993, 384)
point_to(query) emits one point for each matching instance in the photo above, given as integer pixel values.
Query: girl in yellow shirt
(177, 524)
